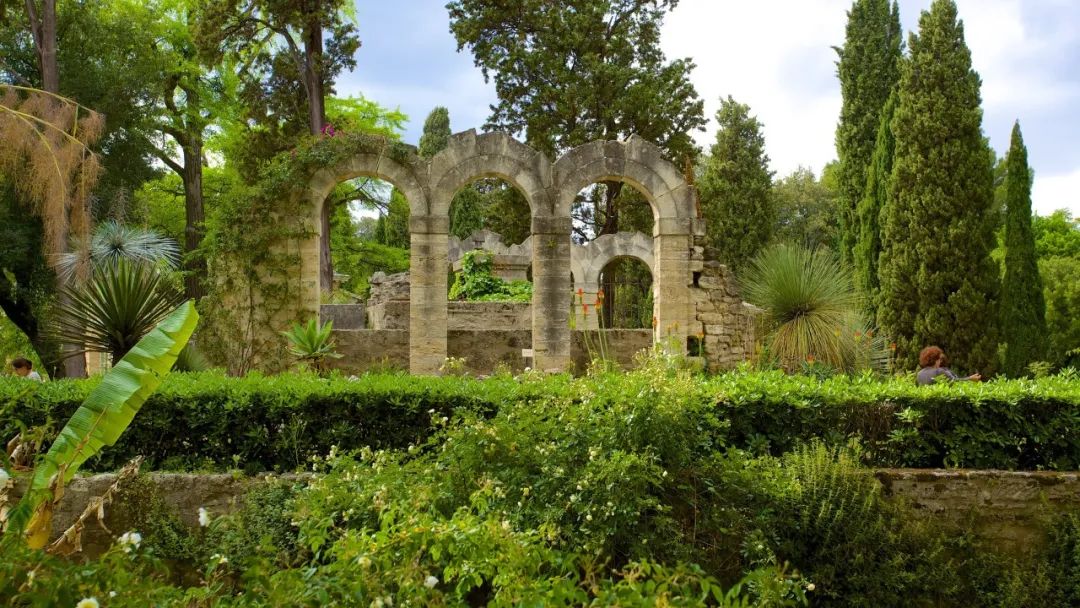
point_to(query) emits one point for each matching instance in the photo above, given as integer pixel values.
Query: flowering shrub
(276, 423)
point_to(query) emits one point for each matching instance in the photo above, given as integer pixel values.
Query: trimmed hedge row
(260, 423)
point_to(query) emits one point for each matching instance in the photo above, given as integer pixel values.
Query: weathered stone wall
(460, 316)
(371, 349)
(484, 350)
(1007, 508)
(725, 323)
(344, 316)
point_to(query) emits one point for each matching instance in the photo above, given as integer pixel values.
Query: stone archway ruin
(673, 252)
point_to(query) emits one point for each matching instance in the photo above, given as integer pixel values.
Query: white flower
(4, 477)
(112, 594)
(363, 561)
(129, 541)
(204, 517)
(88, 602)
(811, 587)
(430, 581)
(218, 559)
(588, 517)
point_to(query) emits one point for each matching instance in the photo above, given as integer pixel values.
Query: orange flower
(869, 334)
(580, 292)
(810, 359)
(892, 346)
(600, 294)
(654, 322)
(585, 309)
(858, 334)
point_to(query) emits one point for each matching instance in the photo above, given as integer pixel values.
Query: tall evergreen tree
(868, 213)
(869, 68)
(436, 134)
(736, 187)
(939, 284)
(1023, 310)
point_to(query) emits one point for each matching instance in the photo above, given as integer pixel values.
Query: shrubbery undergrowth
(614, 490)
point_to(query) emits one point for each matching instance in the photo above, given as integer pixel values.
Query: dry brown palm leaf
(46, 156)
(71, 540)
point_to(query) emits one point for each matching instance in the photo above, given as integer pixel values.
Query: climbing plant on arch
(265, 258)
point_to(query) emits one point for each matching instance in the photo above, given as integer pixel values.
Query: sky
(776, 56)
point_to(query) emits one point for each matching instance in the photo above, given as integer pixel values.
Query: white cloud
(1052, 192)
(776, 56)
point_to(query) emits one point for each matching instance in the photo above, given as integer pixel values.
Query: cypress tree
(939, 284)
(868, 214)
(868, 69)
(736, 187)
(436, 134)
(1023, 310)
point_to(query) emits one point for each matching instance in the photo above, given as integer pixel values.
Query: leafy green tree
(939, 284)
(570, 73)
(1061, 292)
(736, 187)
(1023, 310)
(805, 211)
(869, 68)
(868, 214)
(1057, 235)
(287, 54)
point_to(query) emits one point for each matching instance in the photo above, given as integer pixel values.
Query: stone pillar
(552, 291)
(672, 247)
(427, 293)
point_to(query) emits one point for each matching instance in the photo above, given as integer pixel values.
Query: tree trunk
(43, 29)
(611, 226)
(313, 56)
(50, 70)
(192, 176)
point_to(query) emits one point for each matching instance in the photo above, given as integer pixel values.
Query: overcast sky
(776, 56)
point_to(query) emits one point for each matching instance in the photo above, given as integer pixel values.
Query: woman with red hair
(932, 362)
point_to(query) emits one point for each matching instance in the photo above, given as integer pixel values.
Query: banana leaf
(102, 418)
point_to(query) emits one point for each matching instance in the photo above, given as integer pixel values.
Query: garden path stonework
(673, 253)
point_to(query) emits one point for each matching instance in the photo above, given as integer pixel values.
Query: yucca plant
(811, 308)
(102, 418)
(112, 242)
(311, 343)
(118, 305)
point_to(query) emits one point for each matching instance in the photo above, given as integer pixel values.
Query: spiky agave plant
(312, 343)
(810, 303)
(112, 310)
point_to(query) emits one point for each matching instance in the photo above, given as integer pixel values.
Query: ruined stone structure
(550, 189)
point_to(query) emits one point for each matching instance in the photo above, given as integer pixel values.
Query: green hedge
(260, 423)
(208, 421)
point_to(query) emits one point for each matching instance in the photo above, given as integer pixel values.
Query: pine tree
(869, 68)
(1023, 310)
(939, 284)
(436, 134)
(736, 187)
(868, 214)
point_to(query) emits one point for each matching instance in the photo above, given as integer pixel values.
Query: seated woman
(932, 362)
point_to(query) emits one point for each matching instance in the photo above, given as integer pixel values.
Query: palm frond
(113, 310)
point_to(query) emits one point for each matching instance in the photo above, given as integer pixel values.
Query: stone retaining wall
(484, 350)
(1007, 508)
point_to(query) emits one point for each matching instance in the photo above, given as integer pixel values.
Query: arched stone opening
(627, 300)
(675, 219)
